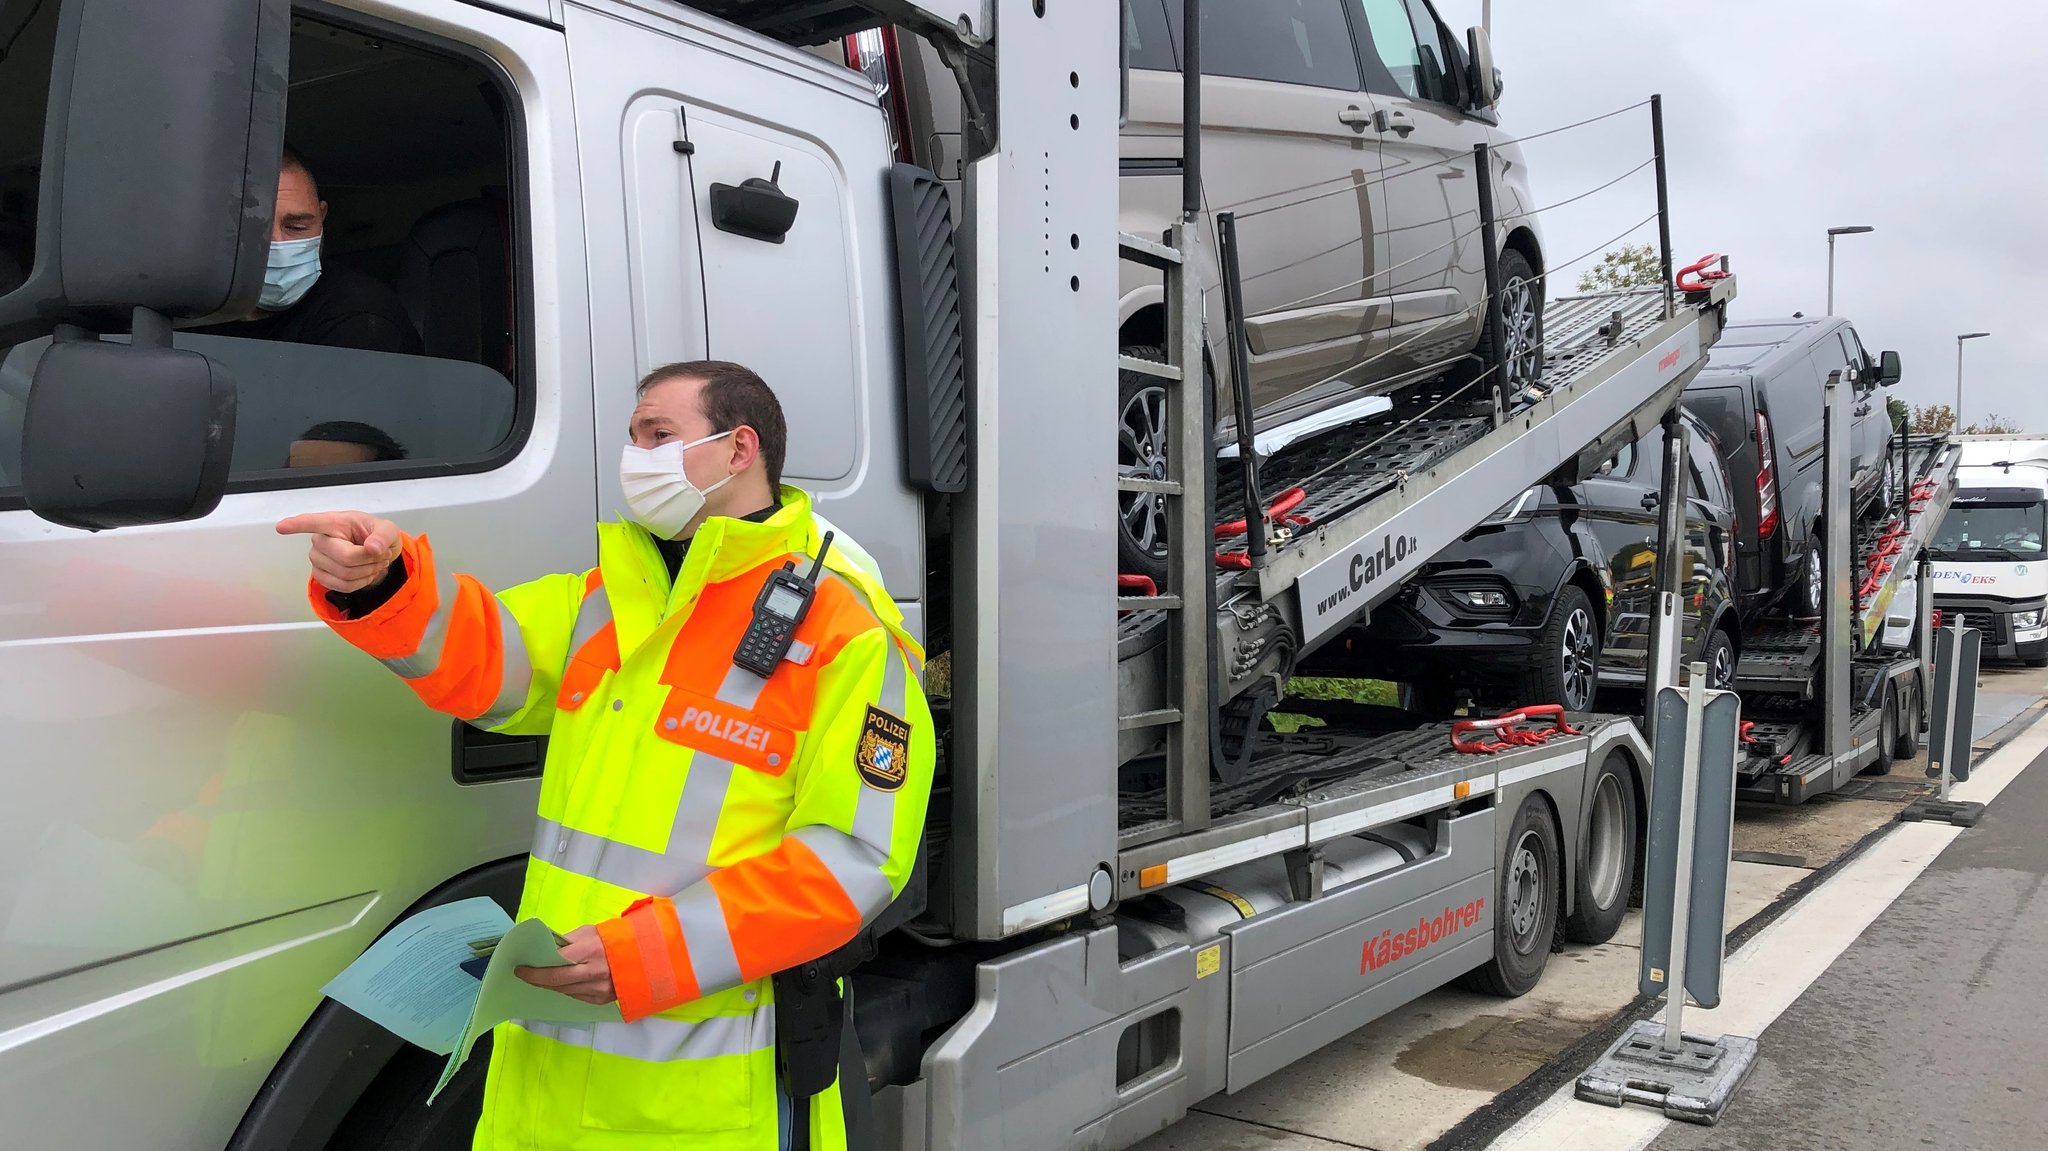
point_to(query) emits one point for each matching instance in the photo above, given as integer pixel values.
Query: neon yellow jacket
(715, 826)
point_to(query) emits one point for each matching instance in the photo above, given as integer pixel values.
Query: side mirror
(118, 435)
(1887, 368)
(1486, 82)
(195, 178)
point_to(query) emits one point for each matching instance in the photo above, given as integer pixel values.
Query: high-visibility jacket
(715, 826)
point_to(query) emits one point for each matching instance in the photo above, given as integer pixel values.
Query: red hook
(1699, 275)
(1287, 502)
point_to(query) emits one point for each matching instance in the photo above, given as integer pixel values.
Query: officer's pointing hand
(351, 550)
(587, 977)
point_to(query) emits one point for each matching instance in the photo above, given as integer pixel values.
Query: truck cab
(1989, 560)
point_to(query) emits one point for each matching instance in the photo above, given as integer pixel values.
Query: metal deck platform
(1384, 495)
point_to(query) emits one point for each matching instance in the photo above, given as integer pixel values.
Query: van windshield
(1992, 532)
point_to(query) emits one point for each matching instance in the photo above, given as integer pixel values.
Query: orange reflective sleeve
(649, 961)
(395, 629)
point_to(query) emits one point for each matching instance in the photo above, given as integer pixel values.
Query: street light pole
(1957, 426)
(1847, 230)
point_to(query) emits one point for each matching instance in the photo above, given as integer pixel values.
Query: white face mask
(658, 493)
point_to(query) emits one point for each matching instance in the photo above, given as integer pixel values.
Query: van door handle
(1395, 121)
(484, 757)
(1357, 117)
(1650, 501)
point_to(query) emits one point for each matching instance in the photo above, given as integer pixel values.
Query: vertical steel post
(1191, 109)
(1923, 626)
(1667, 630)
(1958, 733)
(1837, 541)
(1688, 827)
(1241, 386)
(1663, 204)
(1482, 165)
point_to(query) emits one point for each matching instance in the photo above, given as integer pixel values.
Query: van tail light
(873, 54)
(1766, 479)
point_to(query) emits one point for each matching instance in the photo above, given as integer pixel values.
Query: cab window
(388, 340)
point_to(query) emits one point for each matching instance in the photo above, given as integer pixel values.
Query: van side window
(1407, 55)
(1146, 35)
(1709, 478)
(1286, 41)
(1852, 348)
(393, 344)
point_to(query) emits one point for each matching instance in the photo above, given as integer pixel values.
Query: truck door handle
(1650, 501)
(1395, 121)
(483, 757)
(1357, 117)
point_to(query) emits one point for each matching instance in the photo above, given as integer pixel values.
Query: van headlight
(2026, 619)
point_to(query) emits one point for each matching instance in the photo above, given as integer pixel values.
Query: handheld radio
(782, 604)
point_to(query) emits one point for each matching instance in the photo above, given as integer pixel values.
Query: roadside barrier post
(1685, 902)
(1957, 652)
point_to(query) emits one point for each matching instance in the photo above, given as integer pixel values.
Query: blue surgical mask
(293, 266)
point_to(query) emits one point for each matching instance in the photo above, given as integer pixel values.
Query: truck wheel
(1907, 745)
(1601, 889)
(1887, 734)
(1567, 667)
(1141, 453)
(1525, 906)
(393, 1115)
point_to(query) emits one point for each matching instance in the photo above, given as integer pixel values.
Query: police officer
(703, 827)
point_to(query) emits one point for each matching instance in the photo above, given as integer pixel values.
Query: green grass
(1372, 691)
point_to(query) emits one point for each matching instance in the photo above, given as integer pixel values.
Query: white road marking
(1776, 967)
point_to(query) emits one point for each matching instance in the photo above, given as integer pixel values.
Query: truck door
(214, 803)
(671, 129)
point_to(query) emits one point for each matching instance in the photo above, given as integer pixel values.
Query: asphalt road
(1928, 1032)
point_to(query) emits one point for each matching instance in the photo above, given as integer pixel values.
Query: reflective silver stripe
(685, 858)
(712, 959)
(659, 1040)
(591, 616)
(856, 865)
(874, 812)
(427, 655)
(516, 677)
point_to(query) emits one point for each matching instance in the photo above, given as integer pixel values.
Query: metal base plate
(1694, 1084)
(1943, 811)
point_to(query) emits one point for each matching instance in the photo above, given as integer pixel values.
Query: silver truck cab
(212, 805)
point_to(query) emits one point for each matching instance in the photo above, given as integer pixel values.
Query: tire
(393, 1115)
(1887, 734)
(1525, 906)
(1813, 593)
(1141, 451)
(1567, 667)
(1908, 745)
(1521, 295)
(1600, 890)
(1720, 661)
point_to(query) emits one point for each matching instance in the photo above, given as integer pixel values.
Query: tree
(1632, 266)
(1941, 418)
(1993, 425)
(1932, 418)
(1902, 416)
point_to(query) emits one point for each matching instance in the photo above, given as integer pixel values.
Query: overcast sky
(1783, 119)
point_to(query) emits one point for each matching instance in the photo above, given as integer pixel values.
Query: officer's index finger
(339, 525)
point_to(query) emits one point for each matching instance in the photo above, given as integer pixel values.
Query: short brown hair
(733, 395)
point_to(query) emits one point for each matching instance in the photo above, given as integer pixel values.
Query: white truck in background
(1991, 556)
